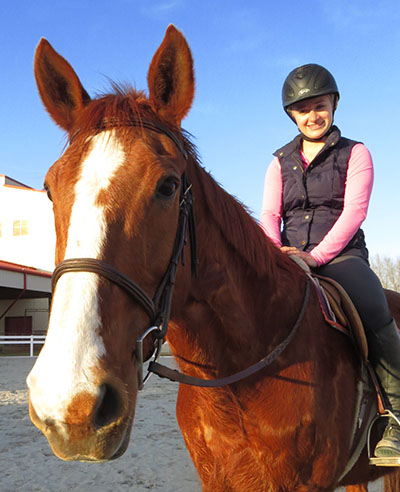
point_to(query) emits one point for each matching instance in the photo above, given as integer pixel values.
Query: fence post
(23, 340)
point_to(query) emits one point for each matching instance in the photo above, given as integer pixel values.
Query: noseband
(159, 308)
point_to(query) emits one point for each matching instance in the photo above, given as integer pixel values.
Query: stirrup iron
(386, 460)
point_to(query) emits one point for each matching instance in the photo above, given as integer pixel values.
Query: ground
(156, 458)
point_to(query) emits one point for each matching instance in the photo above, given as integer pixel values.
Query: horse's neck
(231, 305)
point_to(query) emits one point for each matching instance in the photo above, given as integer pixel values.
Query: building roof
(23, 281)
(6, 180)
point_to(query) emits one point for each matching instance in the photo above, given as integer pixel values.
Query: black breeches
(364, 289)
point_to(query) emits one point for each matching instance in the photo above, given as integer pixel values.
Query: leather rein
(159, 308)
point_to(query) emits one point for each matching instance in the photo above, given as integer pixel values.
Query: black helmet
(308, 81)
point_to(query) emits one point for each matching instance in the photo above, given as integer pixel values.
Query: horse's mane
(238, 227)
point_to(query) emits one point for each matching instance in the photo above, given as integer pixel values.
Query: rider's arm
(359, 181)
(271, 213)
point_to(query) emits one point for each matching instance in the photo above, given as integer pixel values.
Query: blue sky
(242, 53)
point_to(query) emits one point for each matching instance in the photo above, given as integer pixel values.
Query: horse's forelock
(110, 110)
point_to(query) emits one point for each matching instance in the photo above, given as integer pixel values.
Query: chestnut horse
(117, 194)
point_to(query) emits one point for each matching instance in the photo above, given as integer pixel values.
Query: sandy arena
(156, 458)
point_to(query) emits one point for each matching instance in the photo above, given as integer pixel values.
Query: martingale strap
(174, 375)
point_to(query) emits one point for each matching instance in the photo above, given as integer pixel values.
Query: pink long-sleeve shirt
(358, 188)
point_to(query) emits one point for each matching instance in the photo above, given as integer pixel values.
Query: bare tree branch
(388, 271)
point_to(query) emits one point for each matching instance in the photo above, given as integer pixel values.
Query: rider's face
(313, 116)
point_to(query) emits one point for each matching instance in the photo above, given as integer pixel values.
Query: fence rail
(33, 340)
(30, 340)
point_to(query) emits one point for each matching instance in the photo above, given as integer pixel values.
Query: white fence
(30, 340)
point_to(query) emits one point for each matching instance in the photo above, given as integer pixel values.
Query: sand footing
(156, 458)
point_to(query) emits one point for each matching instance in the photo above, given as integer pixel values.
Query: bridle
(159, 308)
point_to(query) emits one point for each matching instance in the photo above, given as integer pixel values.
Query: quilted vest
(313, 197)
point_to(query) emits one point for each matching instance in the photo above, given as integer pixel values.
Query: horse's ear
(170, 77)
(59, 87)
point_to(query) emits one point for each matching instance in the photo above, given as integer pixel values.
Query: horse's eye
(167, 188)
(47, 189)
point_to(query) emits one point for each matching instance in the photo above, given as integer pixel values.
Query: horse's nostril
(109, 406)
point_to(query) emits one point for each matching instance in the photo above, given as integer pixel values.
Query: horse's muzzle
(95, 428)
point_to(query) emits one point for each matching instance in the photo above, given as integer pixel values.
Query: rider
(319, 185)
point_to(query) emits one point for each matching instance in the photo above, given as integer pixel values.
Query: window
(20, 228)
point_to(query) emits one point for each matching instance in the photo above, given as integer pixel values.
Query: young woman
(319, 186)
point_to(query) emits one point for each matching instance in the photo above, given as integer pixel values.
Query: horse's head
(116, 198)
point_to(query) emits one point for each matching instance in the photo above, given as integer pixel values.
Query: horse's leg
(224, 460)
(191, 426)
(223, 463)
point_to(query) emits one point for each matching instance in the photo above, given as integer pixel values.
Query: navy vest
(313, 198)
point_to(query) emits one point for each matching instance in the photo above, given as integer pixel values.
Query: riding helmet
(308, 81)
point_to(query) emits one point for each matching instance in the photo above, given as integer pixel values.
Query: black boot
(385, 356)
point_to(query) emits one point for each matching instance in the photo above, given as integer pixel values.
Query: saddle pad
(345, 312)
(345, 316)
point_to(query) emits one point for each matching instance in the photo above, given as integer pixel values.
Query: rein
(159, 308)
(174, 375)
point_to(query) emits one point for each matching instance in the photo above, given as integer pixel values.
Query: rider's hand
(306, 257)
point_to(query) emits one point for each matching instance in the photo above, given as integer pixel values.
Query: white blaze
(73, 344)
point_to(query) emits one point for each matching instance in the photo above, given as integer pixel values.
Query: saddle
(340, 313)
(337, 307)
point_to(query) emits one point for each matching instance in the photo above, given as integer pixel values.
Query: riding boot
(384, 349)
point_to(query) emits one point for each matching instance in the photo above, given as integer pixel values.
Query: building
(27, 243)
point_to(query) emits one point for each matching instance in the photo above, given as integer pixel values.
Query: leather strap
(108, 271)
(174, 375)
(155, 127)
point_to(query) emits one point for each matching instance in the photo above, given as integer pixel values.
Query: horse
(149, 246)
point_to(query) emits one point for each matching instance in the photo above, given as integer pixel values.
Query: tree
(388, 271)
